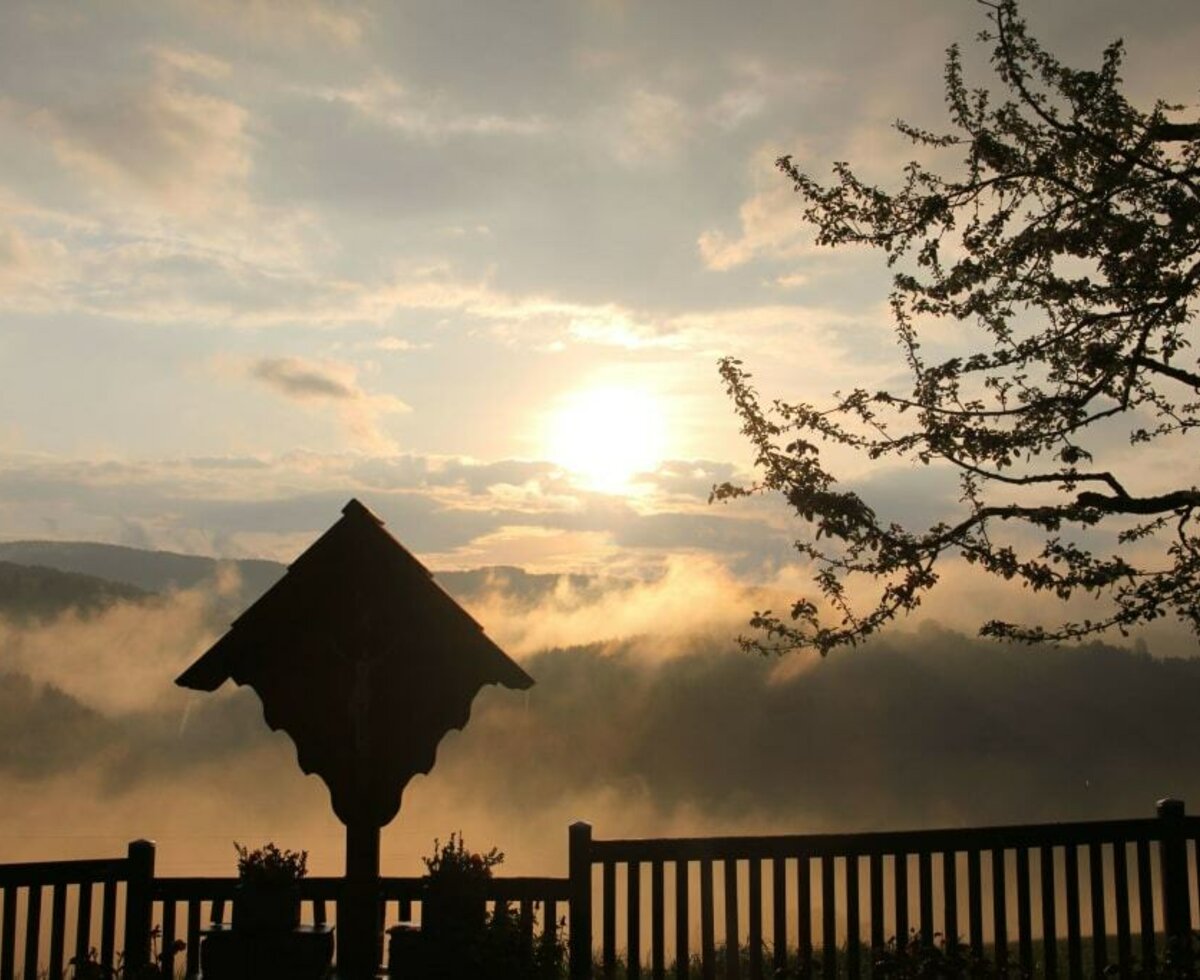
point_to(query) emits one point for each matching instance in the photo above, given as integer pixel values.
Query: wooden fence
(120, 909)
(1045, 899)
(824, 903)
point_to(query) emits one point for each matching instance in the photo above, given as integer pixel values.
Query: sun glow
(607, 436)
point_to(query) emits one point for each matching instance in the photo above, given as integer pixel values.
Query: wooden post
(580, 869)
(358, 928)
(139, 905)
(1173, 873)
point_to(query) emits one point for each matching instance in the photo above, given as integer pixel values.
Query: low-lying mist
(646, 720)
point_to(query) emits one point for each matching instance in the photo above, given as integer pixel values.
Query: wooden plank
(167, 951)
(853, 937)
(950, 898)
(875, 901)
(525, 922)
(216, 914)
(58, 929)
(633, 921)
(321, 912)
(754, 901)
(975, 903)
(900, 890)
(193, 937)
(828, 919)
(682, 921)
(608, 927)
(925, 896)
(83, 923)
(658, 940)
(1024, 914)
(1049, 917)
(886, 842)
(1145, 902)
(1099, 925)
(31, 873)
(779, 929)
(708, 952)
(404, 910)
(1074, 951)
(8, 933)
(108, 925)
(33, 930)
(550, 918)
(999, 909)
(804, 914)
(1121, 901)
(733, 969)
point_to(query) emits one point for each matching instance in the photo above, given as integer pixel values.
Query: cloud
(161, 141)
(308, 381)
(291, 21)
(770, 223)
(384, 101)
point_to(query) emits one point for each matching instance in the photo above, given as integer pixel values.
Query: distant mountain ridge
(119, 571)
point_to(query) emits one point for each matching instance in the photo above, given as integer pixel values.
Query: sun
(607, 436)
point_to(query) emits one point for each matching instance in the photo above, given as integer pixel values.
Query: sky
(471, 263)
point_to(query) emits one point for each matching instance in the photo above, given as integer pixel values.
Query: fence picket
(33, 930)
(875, 887)
(1145, 902)
(58, 928)
(754, 913)
(83, 923)
(925, 895)
(975, 902)
(8, 937)
(1024, 917)
(608, 925)
(1099, 926)
(828, 919)
(900, 887)
(950, 897)
(1121, 900)
(1074, 951)
(1049, 923)
(108, 925)
(168, 937)
(193, 937)
(779, 930)
(804, 914)
(852, 926)
(657, 921)
(633, 920)
(682, 955)
(732, 966)
(708, 952)
(999, 908)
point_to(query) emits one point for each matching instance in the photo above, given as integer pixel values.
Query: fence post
(1173, 872)
(139, 905)
(580, 869)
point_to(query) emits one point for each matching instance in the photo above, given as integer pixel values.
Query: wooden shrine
(366, 663)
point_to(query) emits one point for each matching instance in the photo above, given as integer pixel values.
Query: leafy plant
(270, 867)
(452, 865)
(90, 967)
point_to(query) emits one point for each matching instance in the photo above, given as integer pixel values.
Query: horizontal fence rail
(1045, 899)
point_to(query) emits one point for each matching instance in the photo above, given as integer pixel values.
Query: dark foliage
(1065, 257)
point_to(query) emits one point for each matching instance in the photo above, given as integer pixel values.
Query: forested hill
(32, 593)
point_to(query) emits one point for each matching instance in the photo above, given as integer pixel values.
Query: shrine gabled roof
(362, 658)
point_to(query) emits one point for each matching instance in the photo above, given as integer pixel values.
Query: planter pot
(455, 917)
(259, 909)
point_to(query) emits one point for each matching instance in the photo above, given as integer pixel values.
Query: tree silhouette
(1065, 255)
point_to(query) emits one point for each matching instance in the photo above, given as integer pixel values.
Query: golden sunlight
(606, 436)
